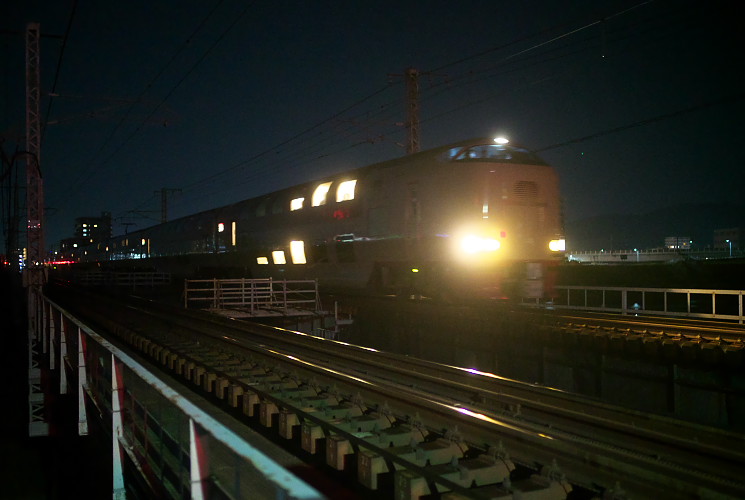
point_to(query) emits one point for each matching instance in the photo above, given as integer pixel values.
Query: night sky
(638, 104)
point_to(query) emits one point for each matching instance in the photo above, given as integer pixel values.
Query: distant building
(94, 229)
(733, 234)
(87, 230)
(678, 243)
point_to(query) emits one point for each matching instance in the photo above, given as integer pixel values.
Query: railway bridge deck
(572, 356)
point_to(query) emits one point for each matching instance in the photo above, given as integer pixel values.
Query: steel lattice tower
(34, 188)
(412, 104)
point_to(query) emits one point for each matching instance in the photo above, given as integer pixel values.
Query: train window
(261, 209)
(492, 152)
(233, 228)
(277, 206)
(319, 195)
(296, 204)
(262, 260)
(278, 257)
(319, 252)
(297, 252)
(345, 191)
(344, 249)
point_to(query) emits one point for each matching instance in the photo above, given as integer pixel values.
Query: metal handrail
(685, 302)
(253, 294)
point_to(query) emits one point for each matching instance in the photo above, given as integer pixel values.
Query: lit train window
(319, 195)
(262, 260)
(220, 227)
(278, 257)
(345, 191)
(297, 252)
(492, 153)
(296, 204)
(233, 227)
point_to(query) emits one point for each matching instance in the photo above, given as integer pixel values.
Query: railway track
(713, 332)
(442, 428)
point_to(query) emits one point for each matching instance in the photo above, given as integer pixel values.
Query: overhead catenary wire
(304, 150)
(59, 65)
(509, 59)
(96, 166)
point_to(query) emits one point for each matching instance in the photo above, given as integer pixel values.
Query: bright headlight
(557, 245)
(473, 244)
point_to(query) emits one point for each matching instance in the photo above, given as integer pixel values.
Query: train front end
(503, 212)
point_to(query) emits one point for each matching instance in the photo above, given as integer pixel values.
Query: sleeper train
(475, 218)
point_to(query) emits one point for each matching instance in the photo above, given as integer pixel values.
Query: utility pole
(34, 186)
(164, 202)
(34, 275)
(411, 78)
(412, 106)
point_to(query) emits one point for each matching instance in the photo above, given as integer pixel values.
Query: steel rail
(528, 431)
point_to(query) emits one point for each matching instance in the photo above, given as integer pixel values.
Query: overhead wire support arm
(164, 202)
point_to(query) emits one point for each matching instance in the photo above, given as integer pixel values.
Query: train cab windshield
(499, 153)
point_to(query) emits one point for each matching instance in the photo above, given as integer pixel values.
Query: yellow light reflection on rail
(320, 367)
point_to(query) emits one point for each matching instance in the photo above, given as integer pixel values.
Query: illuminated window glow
(278, 257)
(220, 227)
(345, 191)
(262, 260)
(297, 252)
(232, 233)
(296, 204)
(143, 242)
(319, 195)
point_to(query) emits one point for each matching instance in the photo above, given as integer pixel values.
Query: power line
(86, 174)
(647, 121)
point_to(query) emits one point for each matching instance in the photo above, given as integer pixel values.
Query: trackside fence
(252, 295)
(178, 448)
(696, 303)
(123, 279)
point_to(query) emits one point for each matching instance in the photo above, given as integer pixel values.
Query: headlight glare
(473, 244)
(557, 245)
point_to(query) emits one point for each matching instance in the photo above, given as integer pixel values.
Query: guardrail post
(624, 302)
(40, 324)
(117, 429)
(82, 384)
(47, 322)
(714, 303)
(198, 462)
(62, 354)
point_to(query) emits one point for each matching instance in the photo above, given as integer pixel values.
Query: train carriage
(476, 218)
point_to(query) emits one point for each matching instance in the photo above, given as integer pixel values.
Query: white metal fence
(698, 303)
(252, 294)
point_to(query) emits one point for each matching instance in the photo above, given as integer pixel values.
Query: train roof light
(501, 140)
